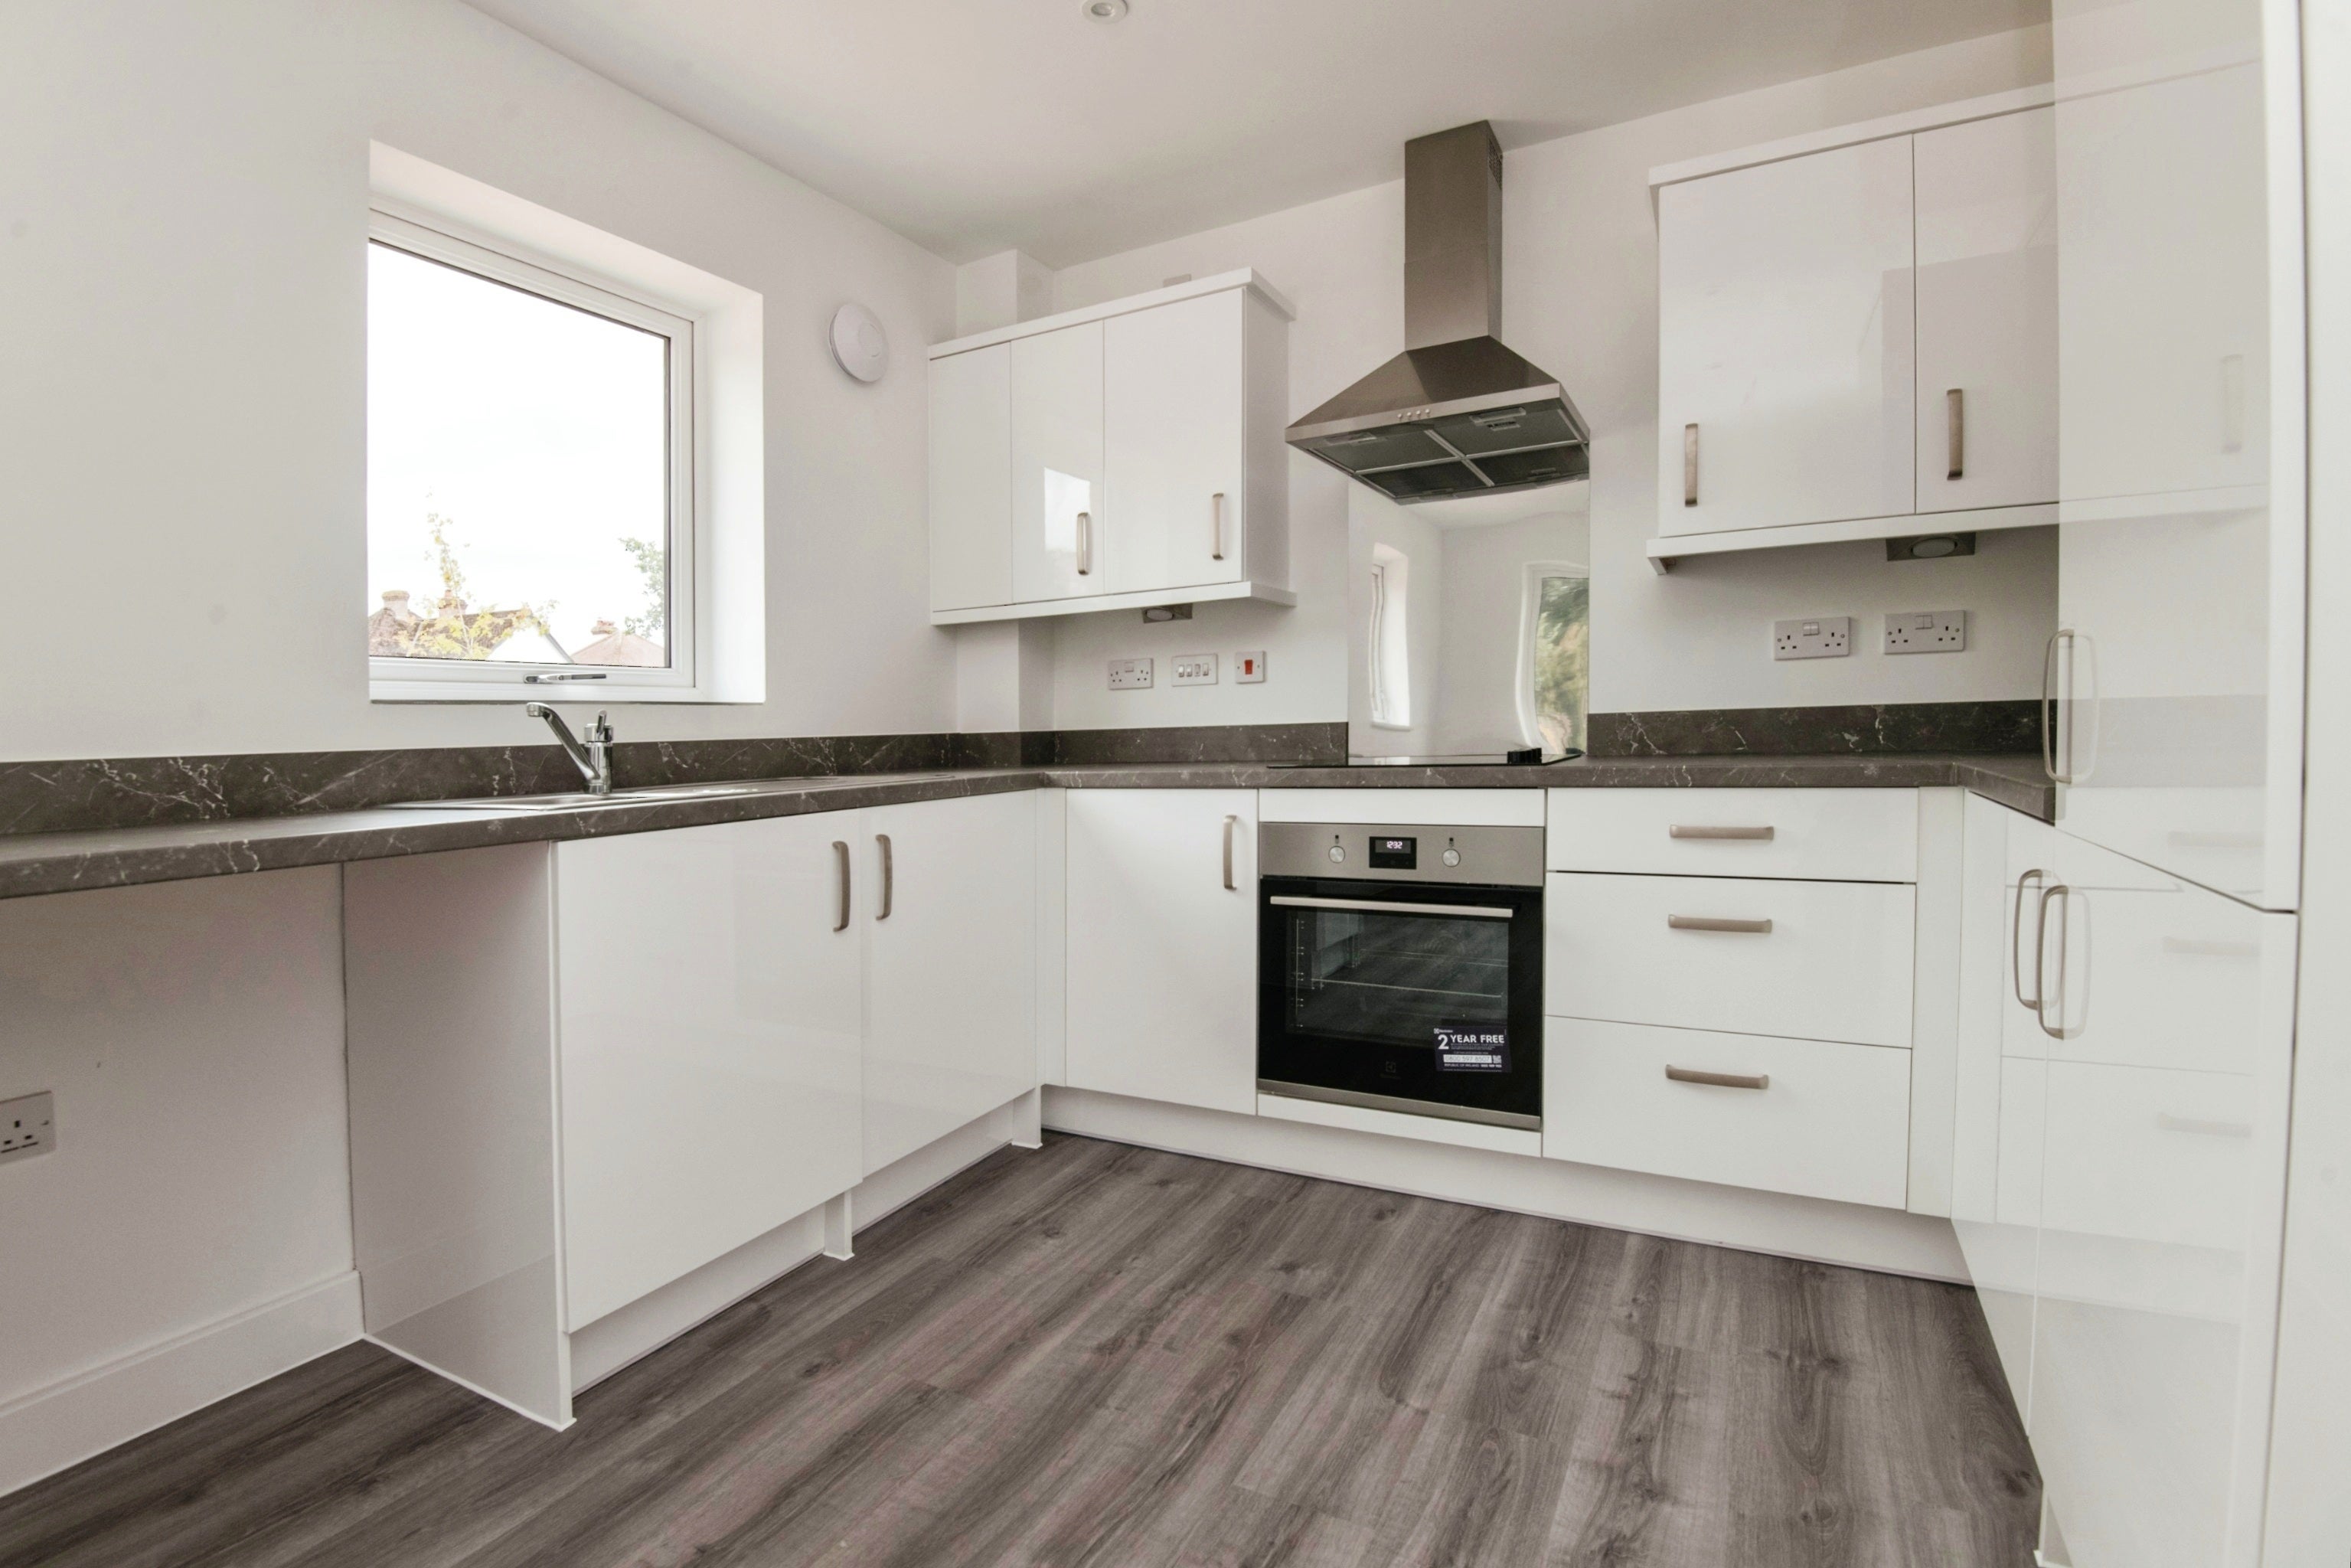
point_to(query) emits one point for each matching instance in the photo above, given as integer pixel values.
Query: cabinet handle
(1709, 922)
(889, 875)
(1085, 544)
(2172, 1124)
(2016, 946)
(1689, 465)
(1230, 823)
(1217, 526)
(2049, 895)
(840, 875)
(1708, 830)
(2080, 656)
(1955, 425)
(1719, 1080)
(2049, 707)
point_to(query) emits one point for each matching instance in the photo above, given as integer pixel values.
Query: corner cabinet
(1116, 457)
(1856, 334)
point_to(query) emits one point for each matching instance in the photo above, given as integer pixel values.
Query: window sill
(553, 692)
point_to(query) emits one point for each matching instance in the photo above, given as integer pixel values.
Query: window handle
(841, 876)
(1954, 430)
(1217, 526)
(1689, 465)
(889, 876)
(1085, 544)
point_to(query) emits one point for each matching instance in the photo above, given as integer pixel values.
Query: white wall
(181, 418)
(1580, 299)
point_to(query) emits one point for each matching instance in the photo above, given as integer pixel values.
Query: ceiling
(974, 126)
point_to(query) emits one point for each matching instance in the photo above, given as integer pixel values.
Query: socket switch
(1129, 675)
(1926, 632)
(1248, 669)
(27, 1126)
(1193, 670)
(1821, 637)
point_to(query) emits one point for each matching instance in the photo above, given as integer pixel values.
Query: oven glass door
(1405, 991)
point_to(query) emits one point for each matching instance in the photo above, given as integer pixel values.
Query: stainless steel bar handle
(1720, 1080)
(1387, 906)
(840, 875)
(1709, 922)
(1231, 824)
(2049, 707)
(1085, 544)
(1217, 526)
(889, 876)
(1689, 465)
(1955, 426)
(2040, 959)
(1708, 831)
(2016, 944)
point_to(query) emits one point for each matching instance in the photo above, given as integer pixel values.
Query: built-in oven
(1400, 968)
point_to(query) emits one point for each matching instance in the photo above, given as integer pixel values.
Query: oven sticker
(1473, 1051)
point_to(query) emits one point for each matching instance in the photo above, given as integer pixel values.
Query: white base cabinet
(1161, 968)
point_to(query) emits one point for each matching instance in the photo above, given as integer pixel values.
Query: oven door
(1402, 996)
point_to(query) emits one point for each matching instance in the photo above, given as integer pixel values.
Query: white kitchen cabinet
(1821, 835)
(1785, 352)
(709, 1017)
(2166, 1010)
(949, 897)
(1987, 301)
(1162, 955)
(971, 479)
(1060, 518)
(1126, 455)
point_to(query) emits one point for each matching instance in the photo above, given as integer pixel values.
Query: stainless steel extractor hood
(1457, 414)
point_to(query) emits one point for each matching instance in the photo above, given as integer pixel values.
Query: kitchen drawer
(1834, 963)
(1829, 1121)
(1832, 835)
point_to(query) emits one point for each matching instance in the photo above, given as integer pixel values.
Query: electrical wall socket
(1821, 637)
(27, 1126)
(1926, 632)
(1127, 675)
(1192, 670)
(1248, 669)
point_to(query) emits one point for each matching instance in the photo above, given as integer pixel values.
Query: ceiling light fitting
(1105, 10)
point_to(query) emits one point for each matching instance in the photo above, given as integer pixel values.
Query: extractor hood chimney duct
(1457, 414)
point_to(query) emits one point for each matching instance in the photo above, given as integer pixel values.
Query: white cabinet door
(1987, 237)
(2160, 1211)
(950, 902)
(1061, 543)
(971, 478)
(1162, 980)
(1785, 337)
(1172, 443)
(709, 1016)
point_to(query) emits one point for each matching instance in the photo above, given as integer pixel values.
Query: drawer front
(1817, 960)
(1829, 1121)
(1834, 835)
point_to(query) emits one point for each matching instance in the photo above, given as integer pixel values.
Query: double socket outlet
(1907, 632)
(28, 1127)
(1186, 670)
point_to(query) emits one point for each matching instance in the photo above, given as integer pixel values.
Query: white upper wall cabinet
(1123, 455)
(1857, 333)
(1784, 347)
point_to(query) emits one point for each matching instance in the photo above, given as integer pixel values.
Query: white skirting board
(51, 1428)
(1816, 1230)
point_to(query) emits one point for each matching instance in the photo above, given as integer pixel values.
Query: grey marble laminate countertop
(33, 863)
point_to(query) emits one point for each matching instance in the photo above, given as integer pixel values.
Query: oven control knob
(1338, 853)
(1452, 857)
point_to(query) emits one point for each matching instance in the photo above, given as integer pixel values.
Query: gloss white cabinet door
(971, 478)
(709, 997)
(2169, 1043)
(1172, 443)
(1064, 535)
(1162, 958)
(1785, 348)
(1987, 288)
(949, 904)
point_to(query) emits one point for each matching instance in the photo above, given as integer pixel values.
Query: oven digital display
(1396, 854)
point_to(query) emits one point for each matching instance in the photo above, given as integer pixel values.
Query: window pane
(1563, 660)
(518, 474)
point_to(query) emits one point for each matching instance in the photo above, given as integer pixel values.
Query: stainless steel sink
(581, 800)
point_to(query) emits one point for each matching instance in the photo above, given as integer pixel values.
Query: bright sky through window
(536, 436)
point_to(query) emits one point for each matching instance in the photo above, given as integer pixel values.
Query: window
(1391, 665)
(530, 516)
(1554, 655)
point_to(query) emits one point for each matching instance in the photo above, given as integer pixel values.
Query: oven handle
(1382, 906)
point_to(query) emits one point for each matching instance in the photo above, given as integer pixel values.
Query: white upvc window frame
(437, 239)
(1530, 615)
(1391, 638)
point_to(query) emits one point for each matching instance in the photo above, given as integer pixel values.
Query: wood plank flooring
(1099, 1354)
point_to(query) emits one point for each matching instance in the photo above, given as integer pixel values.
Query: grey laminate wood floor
(1110, 1355)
